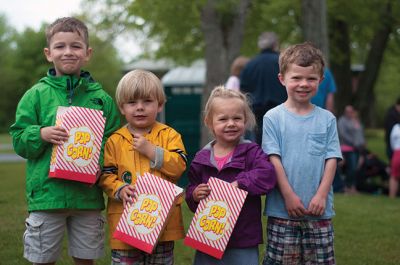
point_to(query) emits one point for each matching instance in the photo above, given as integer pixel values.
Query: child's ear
(121, 109)
(281, 79)
(47, 53)
(321, 79)
(160, 108)
(89, 52)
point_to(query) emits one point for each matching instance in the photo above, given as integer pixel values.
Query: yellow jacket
(122, 165)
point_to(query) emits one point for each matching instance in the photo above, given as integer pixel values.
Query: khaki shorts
(45, 230)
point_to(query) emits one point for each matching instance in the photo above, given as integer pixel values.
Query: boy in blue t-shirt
(302, 143)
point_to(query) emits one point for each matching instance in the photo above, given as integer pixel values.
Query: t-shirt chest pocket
(316, 143)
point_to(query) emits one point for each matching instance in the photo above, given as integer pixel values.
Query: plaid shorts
(163, 254)
(299, 242)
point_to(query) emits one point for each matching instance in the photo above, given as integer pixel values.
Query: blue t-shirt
(303, 142)
(327, 86)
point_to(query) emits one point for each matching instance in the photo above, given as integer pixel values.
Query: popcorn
(215, 218)
(143, 221)
(77, 159)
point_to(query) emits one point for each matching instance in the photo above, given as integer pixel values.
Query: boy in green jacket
(55, 204)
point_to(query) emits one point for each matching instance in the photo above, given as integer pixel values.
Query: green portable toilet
(183, 87)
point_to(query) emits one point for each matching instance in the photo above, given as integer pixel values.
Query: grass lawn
(366, 226)
(367, 229)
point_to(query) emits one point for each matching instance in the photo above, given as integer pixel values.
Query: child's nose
(231, 122)
(139, 105)
(67, 51)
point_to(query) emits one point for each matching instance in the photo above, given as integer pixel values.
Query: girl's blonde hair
(222, 92)
(238, 64)
(139, 84)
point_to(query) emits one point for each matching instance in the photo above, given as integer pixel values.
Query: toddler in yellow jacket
(143, 145)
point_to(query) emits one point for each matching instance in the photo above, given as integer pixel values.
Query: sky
(32, 13)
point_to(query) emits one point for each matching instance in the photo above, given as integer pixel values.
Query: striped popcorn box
(77, 159)
(215, 218)
(143, 221)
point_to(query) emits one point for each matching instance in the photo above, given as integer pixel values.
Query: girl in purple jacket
(231, 158)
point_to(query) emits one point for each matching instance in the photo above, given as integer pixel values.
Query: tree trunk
(341, 65)
(222, 45)
(365, 96)
(314, 25)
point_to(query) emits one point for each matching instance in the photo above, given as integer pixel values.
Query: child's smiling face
(68, 52)
(228, 120)
(301, 83)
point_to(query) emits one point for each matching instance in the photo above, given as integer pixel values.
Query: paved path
(9, 157)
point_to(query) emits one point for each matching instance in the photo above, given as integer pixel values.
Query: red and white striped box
(77, 159)
(143, 221)
(215, 218)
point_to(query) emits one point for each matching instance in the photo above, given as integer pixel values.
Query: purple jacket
(254, 173)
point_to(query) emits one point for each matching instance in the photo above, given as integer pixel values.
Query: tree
(314, 24)
(365, 96)
(361, 35)
(219, 24)
(8, 76)
(177, 28)
(223, 28)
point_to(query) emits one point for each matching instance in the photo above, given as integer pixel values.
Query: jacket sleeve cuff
(116, 196)
(159, 158)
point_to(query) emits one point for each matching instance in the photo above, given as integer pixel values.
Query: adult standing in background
(260, 79)
(391, 118)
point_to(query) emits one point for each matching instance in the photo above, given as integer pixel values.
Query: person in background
(302, 143)
(260, 79)
(237, 66)
(372, 174)
(143, 145)
(56, 205)
(392, 117)
(352, 141)
(325, 97)
(242, 163)
(395, 162)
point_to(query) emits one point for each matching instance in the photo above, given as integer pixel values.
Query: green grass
(367, 229)
(5, 138)
(366, 226)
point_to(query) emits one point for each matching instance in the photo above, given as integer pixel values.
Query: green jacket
(37, 109)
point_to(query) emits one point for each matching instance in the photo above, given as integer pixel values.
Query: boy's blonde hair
(222, 92)
(304, 54)
(139, 84)
(67, 24)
